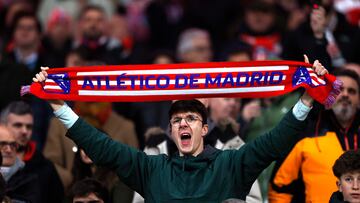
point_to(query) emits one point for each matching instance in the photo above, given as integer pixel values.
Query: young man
(25, 46)
(347, 170)
(197, 173)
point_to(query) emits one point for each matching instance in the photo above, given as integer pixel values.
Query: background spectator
(61, 150)
(25, 44)
(347, 171)
(260, 30)
(329, 134)
(3, 197)
(18, 118)
(84, 168)
(89, 190)
(194, 45)
(20, 185)
(326, 34)
(92, 35)
(57, 38)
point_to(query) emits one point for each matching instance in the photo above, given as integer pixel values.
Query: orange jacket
(314, 158)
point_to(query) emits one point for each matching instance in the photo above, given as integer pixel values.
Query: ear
(338, 184)
(204, 130)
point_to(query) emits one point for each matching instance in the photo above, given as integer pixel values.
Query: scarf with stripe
(137, 83)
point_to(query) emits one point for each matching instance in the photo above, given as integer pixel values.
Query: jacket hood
(190, 163)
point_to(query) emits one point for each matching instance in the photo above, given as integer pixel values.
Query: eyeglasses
(189, 119)
(12, 145)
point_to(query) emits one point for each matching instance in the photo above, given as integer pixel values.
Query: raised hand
(41, 77)
(317, 66)
(319, 70)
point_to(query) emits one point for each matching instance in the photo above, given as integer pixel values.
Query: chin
(8, 163)
(185, 151)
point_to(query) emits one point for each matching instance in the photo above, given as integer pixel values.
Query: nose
(345, 92)
(24, 129)
(356, 184)
(183, 122)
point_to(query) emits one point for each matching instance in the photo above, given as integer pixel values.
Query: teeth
(185, 136)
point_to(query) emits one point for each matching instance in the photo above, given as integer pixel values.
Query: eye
(348, 179)
(176, 120)
(352, 91)
(17, 125)
(14, 145)
(29, 127)
(191, 119)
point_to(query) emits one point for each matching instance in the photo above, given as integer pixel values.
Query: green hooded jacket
(212, 176)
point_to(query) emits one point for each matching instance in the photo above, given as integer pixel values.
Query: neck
(345, 120)
(345, 124)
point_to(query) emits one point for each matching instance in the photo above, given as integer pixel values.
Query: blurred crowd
(40, 164)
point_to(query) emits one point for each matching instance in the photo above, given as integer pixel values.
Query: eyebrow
(21, 123)
(9, 141)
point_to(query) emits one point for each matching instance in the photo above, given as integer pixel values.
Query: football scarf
(138, 83)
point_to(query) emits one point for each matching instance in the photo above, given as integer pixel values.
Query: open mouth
(185, 138)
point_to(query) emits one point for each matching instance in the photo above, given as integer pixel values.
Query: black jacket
(24, 186)
(337, 197)
(50, 187)
(12, 77)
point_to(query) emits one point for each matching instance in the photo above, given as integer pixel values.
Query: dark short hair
(347, 162)
(17, 108)
(348, 73)
(25, 14)
(90, 8)
(183, 106)
(87, 186)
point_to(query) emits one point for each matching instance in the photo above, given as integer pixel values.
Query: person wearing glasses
(20, 185)
(197, 173)
(18, 117)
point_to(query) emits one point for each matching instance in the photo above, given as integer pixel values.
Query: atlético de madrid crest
(308, 76)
